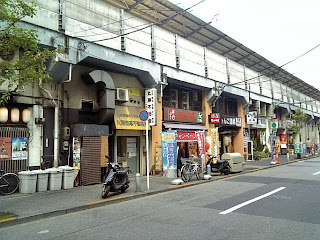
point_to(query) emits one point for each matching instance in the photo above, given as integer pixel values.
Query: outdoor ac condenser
(122, 95)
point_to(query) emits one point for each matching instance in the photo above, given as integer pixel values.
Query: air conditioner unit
(122, 95)
(21, 89)
(12, 57)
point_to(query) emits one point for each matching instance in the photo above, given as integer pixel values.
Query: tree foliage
(300, 117)
(15, 40)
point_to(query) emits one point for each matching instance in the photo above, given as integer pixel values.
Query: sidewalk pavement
(39, 205)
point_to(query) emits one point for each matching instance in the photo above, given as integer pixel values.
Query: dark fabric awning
(228, 130)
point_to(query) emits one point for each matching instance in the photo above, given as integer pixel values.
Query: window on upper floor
(182, 98)
(226, 107)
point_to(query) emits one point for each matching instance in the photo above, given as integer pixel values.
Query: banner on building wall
(209, 141)
(215, 142)
(76, 147)
(128, 118)
(231, 121)
(169, 154)
(180, 115)
(277, 143)
(202, 149)
(262, 123)
(5, 148)
(245, 139)
(283, 140)
(252, 117)
(274, 123)
(215, 118)
(201, 145)
(151, 105)
(262, 137)
(19, 148)
(298, 147)
(186, 136)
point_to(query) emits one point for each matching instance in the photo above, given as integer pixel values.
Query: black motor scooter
(221, 166)
(116, 180)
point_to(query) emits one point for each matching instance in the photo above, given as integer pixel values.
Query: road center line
(316, 173)
(251, 201)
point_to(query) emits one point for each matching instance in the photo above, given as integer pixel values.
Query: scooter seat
(222, 161)
(123, 171)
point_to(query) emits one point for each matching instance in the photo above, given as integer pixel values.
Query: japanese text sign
(151, 105)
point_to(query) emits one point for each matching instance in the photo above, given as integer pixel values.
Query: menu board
(5, 148)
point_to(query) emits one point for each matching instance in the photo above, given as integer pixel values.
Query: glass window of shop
(182, 98)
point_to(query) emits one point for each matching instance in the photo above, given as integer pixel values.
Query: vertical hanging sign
(215, 142)
(201, 147)
(169, 154)
(151, 105)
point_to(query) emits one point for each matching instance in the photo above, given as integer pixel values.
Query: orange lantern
(207, 146)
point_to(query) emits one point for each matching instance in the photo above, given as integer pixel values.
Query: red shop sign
(200, 138)
(283, 138)
(215, 118)
(186, 136)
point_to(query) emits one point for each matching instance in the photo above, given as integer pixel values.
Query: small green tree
(299, 116)
(31, 65)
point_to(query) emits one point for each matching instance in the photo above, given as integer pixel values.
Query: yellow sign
(215, 142)
(169, 136)
(134, 92)
(128, 118)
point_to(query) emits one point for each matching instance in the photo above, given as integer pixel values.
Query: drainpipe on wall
(56, 137)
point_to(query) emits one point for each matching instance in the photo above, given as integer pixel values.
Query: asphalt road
(276, 203)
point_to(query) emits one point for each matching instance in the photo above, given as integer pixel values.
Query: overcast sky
(279, 30)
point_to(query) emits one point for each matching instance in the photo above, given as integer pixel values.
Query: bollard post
(288, 156)
(138, 182)
(209, 170)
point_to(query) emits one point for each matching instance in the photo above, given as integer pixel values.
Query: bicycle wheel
(9, 183)
(185, 173)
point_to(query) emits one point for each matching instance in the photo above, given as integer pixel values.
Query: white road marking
(44, 231)
(316, 173)
(300, 161)
(251, 201)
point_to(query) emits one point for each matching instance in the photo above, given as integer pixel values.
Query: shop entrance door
(128, 152)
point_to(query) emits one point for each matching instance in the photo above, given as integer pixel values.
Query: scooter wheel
(226, 171)
(105, 191)
(124, 188)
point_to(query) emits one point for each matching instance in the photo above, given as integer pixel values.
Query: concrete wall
(96, 20)
(238, 138)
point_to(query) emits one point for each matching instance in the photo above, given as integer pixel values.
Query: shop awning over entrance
(228, 130)
(181, 126)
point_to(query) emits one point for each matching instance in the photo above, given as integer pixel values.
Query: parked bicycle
(190, 168)
(9, 183)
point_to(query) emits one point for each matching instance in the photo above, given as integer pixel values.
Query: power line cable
(104, 25)
(281, 65)
(110, 32)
